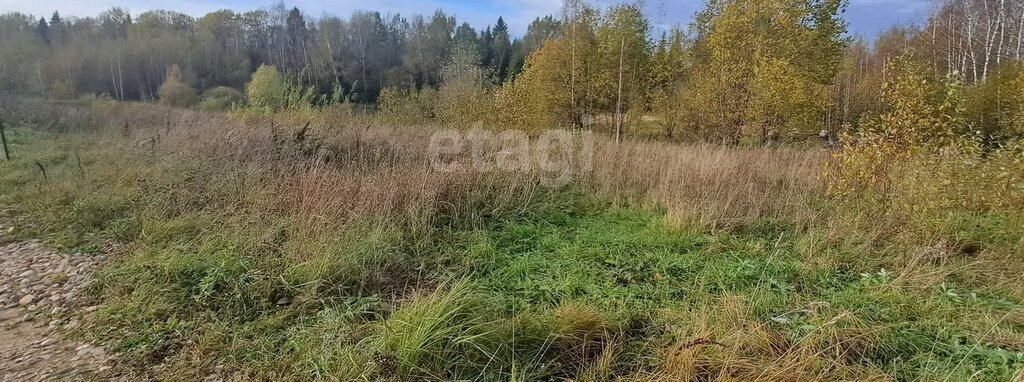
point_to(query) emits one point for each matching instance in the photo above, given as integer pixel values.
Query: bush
(405, 106)
(463, 99)
(299, 96)
(924, 117)
(62, 90)
(919, 173)
(174, 92)
(266, 89)
(221, 98)
(994, 106)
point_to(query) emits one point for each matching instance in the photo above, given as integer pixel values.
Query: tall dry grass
(339, 167)
(713, 185)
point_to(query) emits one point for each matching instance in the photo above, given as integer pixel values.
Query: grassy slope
(569, 286)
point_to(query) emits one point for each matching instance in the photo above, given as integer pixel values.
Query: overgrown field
(335, 252)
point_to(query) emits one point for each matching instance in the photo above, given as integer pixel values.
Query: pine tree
(43, 30)
(501, 48)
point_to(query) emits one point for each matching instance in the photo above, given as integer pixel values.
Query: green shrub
(174, 92)
(994, 106)
(925, 117)
(405, 106)
(299, 96)
(221, 98)
(267, 88)
(62, 90)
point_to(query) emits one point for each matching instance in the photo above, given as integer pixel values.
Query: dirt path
(40, 302)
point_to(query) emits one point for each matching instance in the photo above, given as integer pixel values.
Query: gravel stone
(26, 300)
(40, 298)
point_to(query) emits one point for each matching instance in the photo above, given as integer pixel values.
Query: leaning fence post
(3, 138)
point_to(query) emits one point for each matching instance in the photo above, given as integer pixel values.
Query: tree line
(757, 70)
(128, 57)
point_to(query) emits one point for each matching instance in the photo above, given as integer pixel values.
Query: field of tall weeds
(324, 245)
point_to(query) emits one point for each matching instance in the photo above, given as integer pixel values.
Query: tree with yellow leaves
(266, 89)
(540, 97)
(924, 115)
(623, 60)
(463, 98)
(598, 70)
(763, 66)
(175, 92)
(669, 65)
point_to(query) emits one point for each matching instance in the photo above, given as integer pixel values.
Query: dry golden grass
(341, 167)
(713, 185)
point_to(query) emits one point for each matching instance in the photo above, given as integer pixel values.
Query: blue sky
(866, 17)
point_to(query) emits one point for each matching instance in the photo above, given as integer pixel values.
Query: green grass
(617, 258)
(570, 286)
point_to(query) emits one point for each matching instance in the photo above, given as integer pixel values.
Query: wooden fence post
(3, 138)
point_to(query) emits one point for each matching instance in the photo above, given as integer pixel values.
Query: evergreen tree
(501, 50)
(58, 31)
(43, 30)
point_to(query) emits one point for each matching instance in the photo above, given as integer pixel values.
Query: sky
(866, 18)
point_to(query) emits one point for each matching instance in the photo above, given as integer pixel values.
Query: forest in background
(764, 70)
(128, 57)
